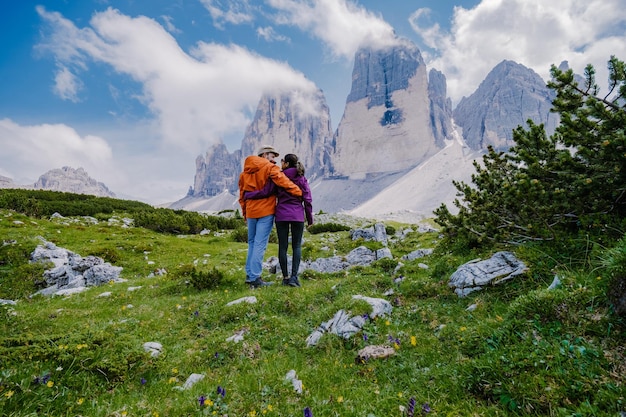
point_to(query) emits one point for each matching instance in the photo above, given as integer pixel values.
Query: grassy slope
(524, 350)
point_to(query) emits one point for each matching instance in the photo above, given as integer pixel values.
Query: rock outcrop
(440, 107)
(386, 125)
(216, 172)
(68, 179)
(293, 124)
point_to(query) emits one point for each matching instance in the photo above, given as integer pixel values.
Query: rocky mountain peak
(292, 123)
(509, 96)
(72, 180)
(386, 125)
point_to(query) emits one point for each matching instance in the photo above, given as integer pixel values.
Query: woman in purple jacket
(290, 214)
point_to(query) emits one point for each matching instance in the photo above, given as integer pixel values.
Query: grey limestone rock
(476, 274)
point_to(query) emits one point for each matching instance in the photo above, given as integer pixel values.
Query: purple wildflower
(196, 313)
(425, 408)
(397, 341)
(221, 391)
(45, 379)
(202, 400)
(308, 412)
(366, 316)
(143, 381)
(364, 337)
(410, 412)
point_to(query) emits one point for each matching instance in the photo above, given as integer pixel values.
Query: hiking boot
(258, 283)
(293, 282)
(285, 281)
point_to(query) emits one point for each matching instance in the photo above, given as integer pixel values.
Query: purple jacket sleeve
(268, 190)
(307, 199)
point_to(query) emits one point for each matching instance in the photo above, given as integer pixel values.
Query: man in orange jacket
(259, 214)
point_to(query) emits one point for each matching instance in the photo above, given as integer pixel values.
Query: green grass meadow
(523, 350)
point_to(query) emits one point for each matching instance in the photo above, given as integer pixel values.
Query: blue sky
(134, 90)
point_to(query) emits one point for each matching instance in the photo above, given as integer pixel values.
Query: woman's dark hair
(293, 162)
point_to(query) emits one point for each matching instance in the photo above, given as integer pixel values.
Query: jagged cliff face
(72, 180)
(216, 172)
(509, 96)
(291, 126)
(440, 107)
(386, 125)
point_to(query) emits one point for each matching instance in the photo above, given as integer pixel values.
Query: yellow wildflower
(413, 341)
(340, 399)
(174, 370)
(387, 323)
(463, 328)
(124, 413)
(80, 401)
(9, 394)
(172, 380)
(269, 407)
(50, 384)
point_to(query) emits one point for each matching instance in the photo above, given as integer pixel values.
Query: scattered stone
(192, 380)
(419, 253)
(376, 233)
(250, 300)
(154, 348)
(238, 336)
(374, 352)
(476, 274)
(472, 307)
(71, 272)
(131, 289)
(556, 282)
(7, 302)
(380, 307)
(105, 294)
(341, 324)
(295, 382)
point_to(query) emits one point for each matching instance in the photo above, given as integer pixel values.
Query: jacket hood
(253, 164)
(290, 173)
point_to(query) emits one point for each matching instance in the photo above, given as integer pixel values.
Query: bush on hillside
(327, 227)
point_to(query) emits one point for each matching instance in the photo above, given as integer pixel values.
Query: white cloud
(169, 24)
(341, 24)
(535, 33)
(269, 34)
(29, 151)
(67, 85)
(234, 12)
(196, 98)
